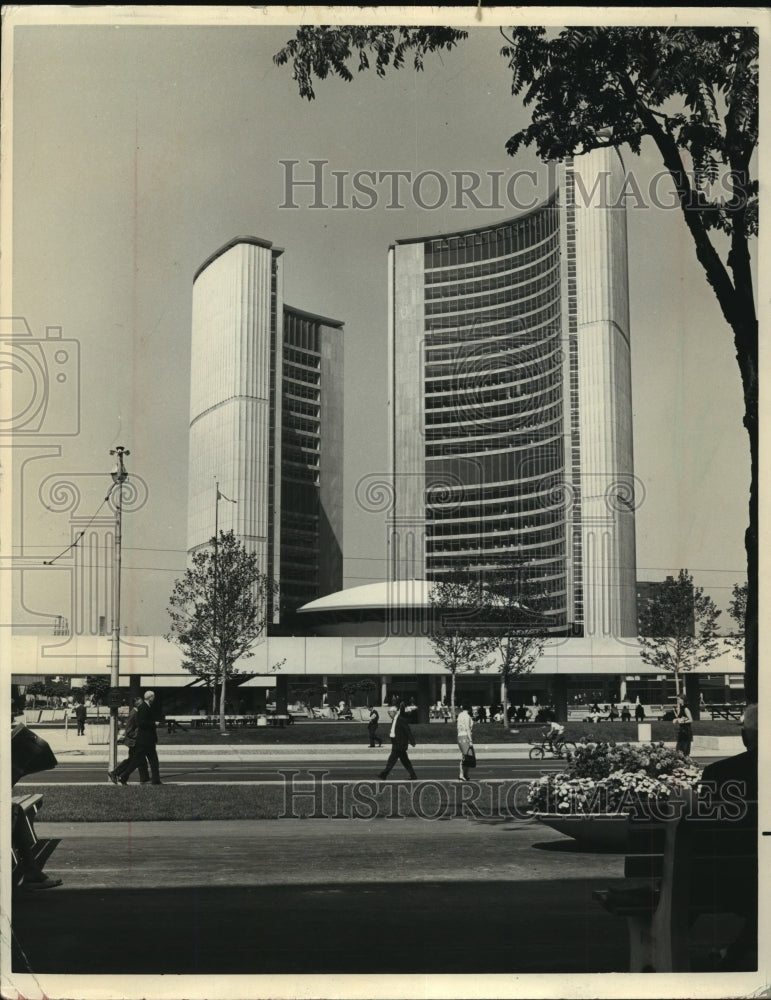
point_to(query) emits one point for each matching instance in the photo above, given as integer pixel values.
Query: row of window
(484, 309)
(481, 245)
(452, 389)
(527, 298)
(517, 417)
(299, 390)
(301, 406)
(474, 323)
(304, 358)
(301, 332)
(304, 376)
(510, 277)
(522, 350)
(296, 422)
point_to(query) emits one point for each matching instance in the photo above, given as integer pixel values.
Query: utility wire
(50, 562)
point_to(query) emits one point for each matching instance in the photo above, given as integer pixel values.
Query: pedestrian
(465, 743)
(374, 718)
(80, 718)
(146, 740)
(401, 737)
(639, 712)
(684, 722)
(124, 769)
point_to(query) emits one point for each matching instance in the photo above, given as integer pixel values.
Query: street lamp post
(119, 477)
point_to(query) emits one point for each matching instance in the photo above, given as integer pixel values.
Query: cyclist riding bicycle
(554, 735)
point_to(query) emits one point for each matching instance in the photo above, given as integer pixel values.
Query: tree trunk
(505, 700)
(223, 728)
(452, 696)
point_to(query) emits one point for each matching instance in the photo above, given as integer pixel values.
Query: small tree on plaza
(218, 610)
(737, 609)
(678, 627)
(517, 627)
(457, 629)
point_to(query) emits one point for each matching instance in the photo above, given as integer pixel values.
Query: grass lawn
(334, 800)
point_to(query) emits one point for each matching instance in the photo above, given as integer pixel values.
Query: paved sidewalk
(321, 896)
(66, 744)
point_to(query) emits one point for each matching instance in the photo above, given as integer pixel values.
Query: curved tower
(510, 405)
(266, 422)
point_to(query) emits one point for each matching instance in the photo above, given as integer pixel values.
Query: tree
(678, 626)
(218, 610)
(693, 92)
(517, 628)
(458, 629)
(737, 609)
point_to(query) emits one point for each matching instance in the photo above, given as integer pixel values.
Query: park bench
(28, 806)
(729, 712)
(676, 870)
(280, 720)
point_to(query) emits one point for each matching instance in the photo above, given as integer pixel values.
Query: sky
(140, 149)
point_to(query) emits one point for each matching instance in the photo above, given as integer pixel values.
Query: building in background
(266, 423)
(510, 403)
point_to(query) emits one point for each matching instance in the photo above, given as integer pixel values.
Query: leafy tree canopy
(321, 51)
(217, 610)
(678, 626)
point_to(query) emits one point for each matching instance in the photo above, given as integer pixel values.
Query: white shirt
(465, 724)
(392, 734)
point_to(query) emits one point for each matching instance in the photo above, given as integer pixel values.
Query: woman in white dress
(465, 725)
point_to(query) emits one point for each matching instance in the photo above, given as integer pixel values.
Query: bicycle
(559, 748)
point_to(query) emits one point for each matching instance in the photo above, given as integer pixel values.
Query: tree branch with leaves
(218, 611)
(678, 627)
(458, 629)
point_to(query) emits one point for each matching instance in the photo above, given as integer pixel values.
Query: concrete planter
(603, 831)
(98, 731)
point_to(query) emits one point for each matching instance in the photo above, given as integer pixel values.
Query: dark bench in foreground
(677, 869)
(25, 841)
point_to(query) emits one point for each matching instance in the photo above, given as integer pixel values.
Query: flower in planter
(613, 777)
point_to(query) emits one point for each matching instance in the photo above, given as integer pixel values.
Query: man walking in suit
(401, 738)
(146, 740)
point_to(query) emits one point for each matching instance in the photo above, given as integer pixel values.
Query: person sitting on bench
(23, 841)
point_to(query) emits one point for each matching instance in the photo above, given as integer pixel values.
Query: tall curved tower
(510, 403)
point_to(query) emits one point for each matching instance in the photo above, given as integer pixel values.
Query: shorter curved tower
(266, 422)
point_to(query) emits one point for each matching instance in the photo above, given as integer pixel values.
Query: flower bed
(612, 778)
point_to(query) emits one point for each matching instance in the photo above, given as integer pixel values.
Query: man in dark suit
(735, 781)
(401, 738)
(146, 739)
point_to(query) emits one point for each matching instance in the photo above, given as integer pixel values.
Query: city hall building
(510, 431)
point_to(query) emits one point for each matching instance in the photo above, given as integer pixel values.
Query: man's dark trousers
(398, 753)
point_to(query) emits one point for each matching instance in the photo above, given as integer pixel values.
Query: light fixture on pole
(119, 477)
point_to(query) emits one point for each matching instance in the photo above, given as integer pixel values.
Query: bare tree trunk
(452, 696)
(505, 700)
(223, 728)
